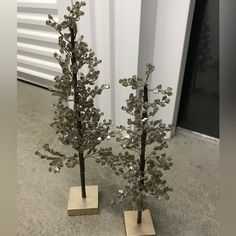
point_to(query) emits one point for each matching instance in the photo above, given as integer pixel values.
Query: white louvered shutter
(36, 42)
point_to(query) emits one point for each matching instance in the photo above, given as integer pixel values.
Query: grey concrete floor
(42, 196)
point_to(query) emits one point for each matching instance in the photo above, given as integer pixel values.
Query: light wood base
(83, 206)
(146, 228)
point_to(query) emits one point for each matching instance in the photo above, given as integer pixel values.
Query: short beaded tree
(142, 169)
(81, 126)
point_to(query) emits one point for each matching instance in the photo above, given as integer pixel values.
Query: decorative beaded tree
(141, 169)
(80, 126)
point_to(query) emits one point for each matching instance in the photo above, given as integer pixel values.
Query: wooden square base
(83, 206)
(146, 228)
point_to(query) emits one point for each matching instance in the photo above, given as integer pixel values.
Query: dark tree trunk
(139, 217)
(82, 174)
(79, 125)
(142, 155)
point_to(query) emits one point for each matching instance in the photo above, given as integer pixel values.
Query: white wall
(173, 24)
(147, 34)
(128, 34)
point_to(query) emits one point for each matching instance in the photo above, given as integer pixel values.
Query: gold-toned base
(146, 228)
(83, 206)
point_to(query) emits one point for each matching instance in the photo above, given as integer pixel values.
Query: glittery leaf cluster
(141, 168)
(80, 127)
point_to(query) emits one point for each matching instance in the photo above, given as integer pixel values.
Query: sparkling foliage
(81, 126)
(142, 170)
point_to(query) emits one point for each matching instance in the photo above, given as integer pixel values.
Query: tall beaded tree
(81, 126)
(141, 168)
